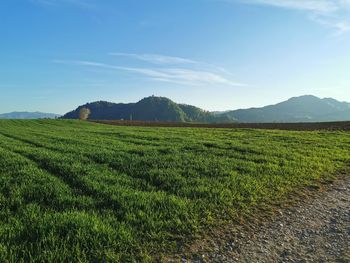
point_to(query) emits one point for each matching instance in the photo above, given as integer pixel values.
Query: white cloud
(185, 76)
(330, 13)
(319, 6)
(340, 26)
(156, 58)
(162, 60)
(171, 75)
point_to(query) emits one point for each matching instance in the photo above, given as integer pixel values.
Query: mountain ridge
(148, 109)
(307, 108)
(28, 115)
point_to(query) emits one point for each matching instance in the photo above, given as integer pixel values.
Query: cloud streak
(170, 75)
(330, 13)
(162, 60)
(319, 6)
(156, 58)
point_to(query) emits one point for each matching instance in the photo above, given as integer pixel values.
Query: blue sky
(215, 54)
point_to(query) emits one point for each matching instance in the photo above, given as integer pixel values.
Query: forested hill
(148, 109)
(298, 109)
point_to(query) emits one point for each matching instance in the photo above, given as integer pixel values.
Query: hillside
(28, 115)
(298, 109)
(148, 109)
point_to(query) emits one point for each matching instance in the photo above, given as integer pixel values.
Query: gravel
(315, 229)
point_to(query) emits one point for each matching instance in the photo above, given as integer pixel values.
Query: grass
(74, 191)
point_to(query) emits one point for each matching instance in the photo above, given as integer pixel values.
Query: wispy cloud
(319, 6)
(156, 58)
(163, 60)
(84, 63)
(330, 13)
(172, 75)
(184, 76)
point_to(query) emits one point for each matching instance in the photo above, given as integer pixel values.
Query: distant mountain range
(28, 115)
(298, 109)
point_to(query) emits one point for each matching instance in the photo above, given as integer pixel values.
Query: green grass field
(74, 191)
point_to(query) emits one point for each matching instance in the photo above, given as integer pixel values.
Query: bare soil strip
(343, 126)
(315, 229)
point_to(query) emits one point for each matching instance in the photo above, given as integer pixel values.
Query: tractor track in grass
(76, 189)
(314, 228)
(73, 182)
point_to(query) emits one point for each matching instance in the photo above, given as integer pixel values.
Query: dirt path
(316, 229)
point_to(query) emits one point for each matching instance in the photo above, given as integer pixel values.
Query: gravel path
(316, 229)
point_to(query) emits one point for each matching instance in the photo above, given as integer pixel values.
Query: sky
(215, 54)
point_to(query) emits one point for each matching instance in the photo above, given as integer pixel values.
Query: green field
(74, 191)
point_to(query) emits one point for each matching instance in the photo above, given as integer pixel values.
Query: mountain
(298, 109)
(28, 115)
(148, 109)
